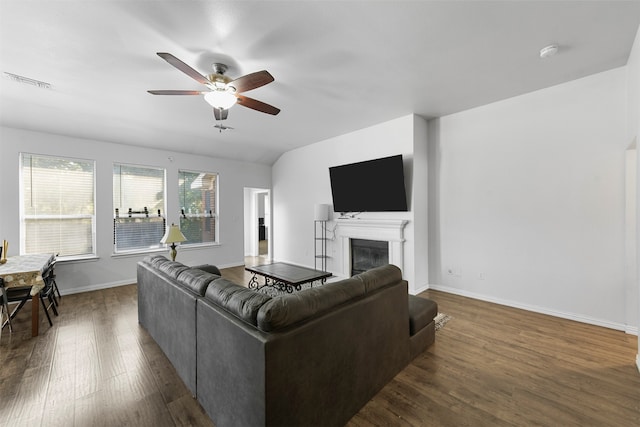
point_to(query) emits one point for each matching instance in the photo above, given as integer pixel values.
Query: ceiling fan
(223, 92)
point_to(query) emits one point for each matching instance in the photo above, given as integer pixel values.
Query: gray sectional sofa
(314, 357)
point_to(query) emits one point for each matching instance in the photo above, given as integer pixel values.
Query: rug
(441, 319)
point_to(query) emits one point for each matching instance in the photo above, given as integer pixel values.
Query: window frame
(215, 214)
(24, 217)
(124, 213)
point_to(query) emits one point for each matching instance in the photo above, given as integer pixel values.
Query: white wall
(301, 180)
(529, 207)
(110, 270)
(630, 224)
(633, 134)
(420, 205)
(261, 204)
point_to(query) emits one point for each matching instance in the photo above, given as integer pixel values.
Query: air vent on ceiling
(26, 80)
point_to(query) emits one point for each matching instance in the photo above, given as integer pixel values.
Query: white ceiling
(339, 66)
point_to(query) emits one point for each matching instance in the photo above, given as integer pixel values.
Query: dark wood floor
(491, 366)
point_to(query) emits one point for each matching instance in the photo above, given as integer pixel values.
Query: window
(199, 207)
(58, 206)
(138, 202)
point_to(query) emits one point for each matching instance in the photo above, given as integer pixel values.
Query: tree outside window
(198, 207)
(139, 204)
(57, 206)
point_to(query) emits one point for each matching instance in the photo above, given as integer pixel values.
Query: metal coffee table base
(285, 277)
(275, 284)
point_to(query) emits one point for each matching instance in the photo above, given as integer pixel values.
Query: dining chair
(23, 294)
(53, 278)
(4, 309)
(15, 295)
(47, 294)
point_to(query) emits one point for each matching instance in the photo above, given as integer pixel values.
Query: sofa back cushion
(238, 300)
(155, 260)
(196, 280)
(209, 269)
(289, 309)
(379, 277)
(170, 268)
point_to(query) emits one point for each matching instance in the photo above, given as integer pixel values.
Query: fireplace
(390, 232)
(368, 254)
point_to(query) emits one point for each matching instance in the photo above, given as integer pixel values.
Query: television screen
(369, 186)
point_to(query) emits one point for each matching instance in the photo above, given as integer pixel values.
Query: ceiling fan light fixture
(220, 99)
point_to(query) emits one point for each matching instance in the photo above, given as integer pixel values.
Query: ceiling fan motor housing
(218, 79)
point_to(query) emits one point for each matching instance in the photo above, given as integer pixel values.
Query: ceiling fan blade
(251, 81)
(220, 114)
(175, 92)
(254, 104)
(184, 68)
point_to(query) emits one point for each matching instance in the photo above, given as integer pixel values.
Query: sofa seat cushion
(422, 311)
(196, 280)
(238, 300)
(289, 309)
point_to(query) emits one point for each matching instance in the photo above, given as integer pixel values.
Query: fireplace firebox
(368, 254)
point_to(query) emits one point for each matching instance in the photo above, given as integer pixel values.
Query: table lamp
(173, 236)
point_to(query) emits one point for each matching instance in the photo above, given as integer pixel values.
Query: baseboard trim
(420, 289)
(335, 278)
(536, 309)
(97, 287)
(233, 264)
(123, 282)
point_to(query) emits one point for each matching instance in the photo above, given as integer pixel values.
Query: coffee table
(285, 277)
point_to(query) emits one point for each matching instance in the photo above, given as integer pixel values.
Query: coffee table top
(289, 273)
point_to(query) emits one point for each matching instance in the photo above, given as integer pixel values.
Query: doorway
(257, 226)
(263, 217)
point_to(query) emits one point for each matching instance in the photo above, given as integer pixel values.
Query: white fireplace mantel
(390, 230)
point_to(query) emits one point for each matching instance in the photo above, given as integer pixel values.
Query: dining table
(26, 271)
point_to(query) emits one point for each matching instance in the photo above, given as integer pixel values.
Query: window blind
(58, 206)
(138, 201)
(198, 213)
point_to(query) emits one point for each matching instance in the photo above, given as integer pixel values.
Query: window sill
(138, 253)
(198, 246)
(164, 250)
(77, 260)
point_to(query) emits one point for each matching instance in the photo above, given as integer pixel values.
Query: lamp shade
(321, 212)
(220, 99)
(173, 235)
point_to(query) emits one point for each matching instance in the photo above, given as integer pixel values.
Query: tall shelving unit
(321, 216)
(320, 242)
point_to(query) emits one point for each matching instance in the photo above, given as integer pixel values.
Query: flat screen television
(370, 186)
